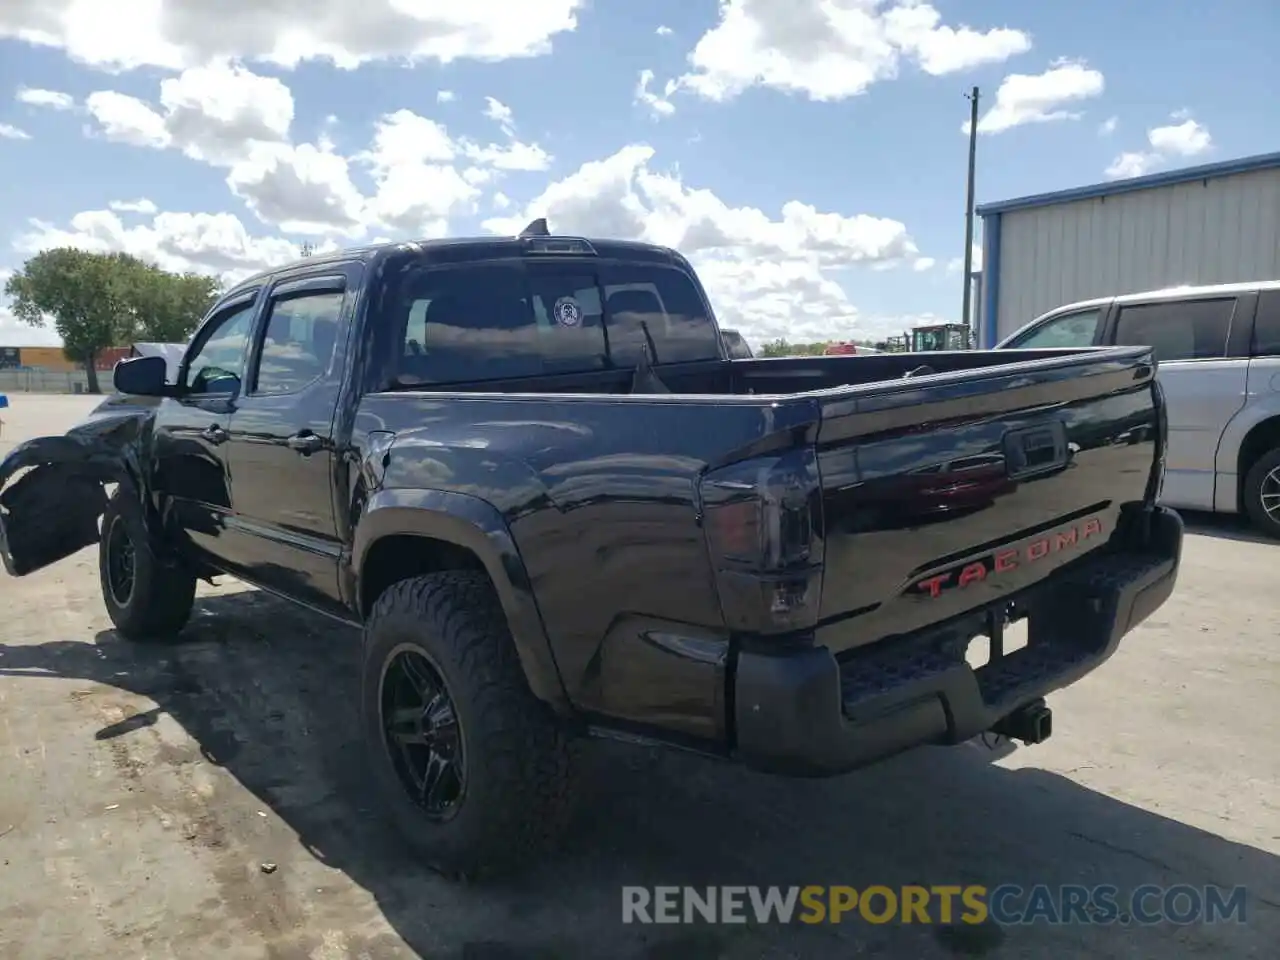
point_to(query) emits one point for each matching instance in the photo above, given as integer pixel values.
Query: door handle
(306, 442)
(214, 434)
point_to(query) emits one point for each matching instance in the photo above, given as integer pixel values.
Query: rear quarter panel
(601, 498)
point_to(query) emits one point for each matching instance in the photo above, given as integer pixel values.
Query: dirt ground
(144, 788)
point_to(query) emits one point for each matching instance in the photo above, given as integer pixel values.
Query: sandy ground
(144, 788)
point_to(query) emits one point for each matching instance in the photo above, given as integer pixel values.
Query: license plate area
(1036, 450)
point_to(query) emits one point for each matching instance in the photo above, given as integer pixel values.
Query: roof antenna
(537, 228)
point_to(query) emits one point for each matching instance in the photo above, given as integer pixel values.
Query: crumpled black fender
(52, 510)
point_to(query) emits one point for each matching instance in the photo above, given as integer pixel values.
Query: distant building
(1217, 223)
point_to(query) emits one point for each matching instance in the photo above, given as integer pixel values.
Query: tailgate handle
(1035, 450)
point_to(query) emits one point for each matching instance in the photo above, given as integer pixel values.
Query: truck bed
(615, 497)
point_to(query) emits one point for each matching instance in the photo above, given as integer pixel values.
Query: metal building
(1217, 223)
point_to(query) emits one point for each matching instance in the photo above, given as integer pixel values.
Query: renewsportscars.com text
(1007, 904)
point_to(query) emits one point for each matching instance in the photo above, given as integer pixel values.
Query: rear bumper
(807, 713)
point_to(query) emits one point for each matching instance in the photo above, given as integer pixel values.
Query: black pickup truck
(529, 470)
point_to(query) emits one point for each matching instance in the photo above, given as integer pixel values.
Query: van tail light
(763, 523)
(1155, 486)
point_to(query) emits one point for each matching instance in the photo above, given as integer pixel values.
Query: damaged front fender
(52, 510)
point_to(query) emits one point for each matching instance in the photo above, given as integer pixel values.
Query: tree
(101, 300)
(166, 307)
(82, 291)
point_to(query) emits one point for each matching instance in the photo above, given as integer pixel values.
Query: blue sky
(808, 155)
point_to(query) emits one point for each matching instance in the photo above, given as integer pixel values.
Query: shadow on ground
(266, 692)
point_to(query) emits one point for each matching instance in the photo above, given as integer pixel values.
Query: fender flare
(475, 525)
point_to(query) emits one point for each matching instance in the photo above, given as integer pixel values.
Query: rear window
(514, 319)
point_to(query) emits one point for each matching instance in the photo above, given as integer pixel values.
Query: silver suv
(1219, 353)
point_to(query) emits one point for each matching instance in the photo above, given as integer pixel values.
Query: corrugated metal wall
(1223, 230)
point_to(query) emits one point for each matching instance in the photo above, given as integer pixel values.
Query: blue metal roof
(1264, 161)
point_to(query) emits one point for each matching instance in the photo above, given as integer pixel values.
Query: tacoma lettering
(1004, 561)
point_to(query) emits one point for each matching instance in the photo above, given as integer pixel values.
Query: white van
(1218, 349)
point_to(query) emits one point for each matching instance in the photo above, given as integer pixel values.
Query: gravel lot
(144, 788)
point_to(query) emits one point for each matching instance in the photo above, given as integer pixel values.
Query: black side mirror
(142, 377)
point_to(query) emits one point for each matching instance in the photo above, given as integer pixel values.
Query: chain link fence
(50, 381)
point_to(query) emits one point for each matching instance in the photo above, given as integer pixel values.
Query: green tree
(101, 300)
(166, 307)
(82, 292)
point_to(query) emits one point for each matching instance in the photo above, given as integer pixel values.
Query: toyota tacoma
(529, 470)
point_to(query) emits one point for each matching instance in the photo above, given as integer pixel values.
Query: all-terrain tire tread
(514, 735)
(163, 594)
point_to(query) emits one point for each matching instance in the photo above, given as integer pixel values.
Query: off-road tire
(520, 761)
(159, 604)
(1252, 493)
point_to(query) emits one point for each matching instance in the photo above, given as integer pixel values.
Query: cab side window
(217, 367)
(1178, 329)
(1070, 330)
(298, 345)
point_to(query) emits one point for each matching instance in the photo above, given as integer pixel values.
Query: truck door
(1204, 376)
(284, 532)
(191, 479)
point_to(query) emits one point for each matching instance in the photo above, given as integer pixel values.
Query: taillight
(1155, 486)
(763, 522)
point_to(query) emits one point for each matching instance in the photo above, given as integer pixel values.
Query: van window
(514, 319)
(1178, 329)
(1069, 330)
(1266, 328)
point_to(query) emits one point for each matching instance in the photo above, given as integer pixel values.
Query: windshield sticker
(568, 312)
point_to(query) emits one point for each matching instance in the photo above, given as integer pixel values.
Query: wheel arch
(404, 533)
(1261, 437)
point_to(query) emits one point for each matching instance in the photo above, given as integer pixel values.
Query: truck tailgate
(950, 492)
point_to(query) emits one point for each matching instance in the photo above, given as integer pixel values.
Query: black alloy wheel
(121, 562)
(422, 734)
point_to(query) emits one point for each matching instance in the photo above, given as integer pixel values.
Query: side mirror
(142, 377)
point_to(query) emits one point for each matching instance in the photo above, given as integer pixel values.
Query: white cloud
(445, 96)
(1133, 163)
(143, 206)
(175, 34)
(658, 106)
(214, 113)
(216, 244)
(10, 132)
(956, 264)
(501, 114)
(1186, 139)
(831, 51)
(300, 189)
(500, 201)
(1040, 98)
(128, 120)
(514, 156)
(418, 188)
(664, 31)
(923, 264)
(1182, 138)
(228, 116)
(1108, 126)
(767, 277)
(50, 99)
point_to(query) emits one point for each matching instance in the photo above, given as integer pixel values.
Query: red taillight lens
(763, 525)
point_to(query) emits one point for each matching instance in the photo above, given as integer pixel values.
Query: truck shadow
(265, 692)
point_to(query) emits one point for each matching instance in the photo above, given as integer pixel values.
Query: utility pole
(968, 218)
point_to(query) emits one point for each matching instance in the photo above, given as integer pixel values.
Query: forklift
(942, 336)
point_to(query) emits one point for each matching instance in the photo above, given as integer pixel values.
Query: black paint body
(587, 505)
